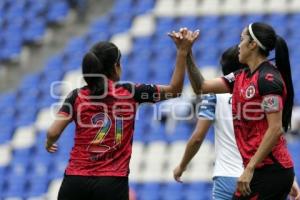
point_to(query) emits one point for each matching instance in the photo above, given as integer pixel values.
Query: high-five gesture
(184, 39)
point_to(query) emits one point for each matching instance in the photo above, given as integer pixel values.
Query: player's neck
(255, 62)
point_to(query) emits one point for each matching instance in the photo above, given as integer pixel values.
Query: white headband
(255, 39)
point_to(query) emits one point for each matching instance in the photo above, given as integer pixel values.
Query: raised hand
(189, 37)
(176, 37)
(184, 39)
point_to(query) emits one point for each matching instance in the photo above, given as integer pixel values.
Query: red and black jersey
(255, 94)
(104, 128)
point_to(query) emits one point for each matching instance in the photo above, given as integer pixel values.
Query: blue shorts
(223, 187)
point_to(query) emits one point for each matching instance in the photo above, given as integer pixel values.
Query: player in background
(216, 109)
(104, 115)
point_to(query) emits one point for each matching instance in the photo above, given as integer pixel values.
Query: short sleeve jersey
(254, 95)
(217, 107)
(104, 128)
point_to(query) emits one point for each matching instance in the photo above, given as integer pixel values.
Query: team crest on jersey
(250, 92)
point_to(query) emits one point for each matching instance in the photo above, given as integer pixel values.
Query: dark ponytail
(268, 38)
(283, 65)
(91, 67)
(98, 64)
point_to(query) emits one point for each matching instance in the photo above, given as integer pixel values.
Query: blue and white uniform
(228, 163)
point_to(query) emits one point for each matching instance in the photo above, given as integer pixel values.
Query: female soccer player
(262, 104)
(216, 108)
(104, 114)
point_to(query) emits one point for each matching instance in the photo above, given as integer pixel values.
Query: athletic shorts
(93, 188)
(269, 183)
(224, 187)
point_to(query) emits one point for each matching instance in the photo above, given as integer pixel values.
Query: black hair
(230, 60)
(99, 62)
(268, 38)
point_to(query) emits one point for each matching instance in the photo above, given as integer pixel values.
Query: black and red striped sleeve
(146, 93)
(67, 108)
(143, 93)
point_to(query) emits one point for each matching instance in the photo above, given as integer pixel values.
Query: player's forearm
(56, 129)
(269, 141)
(177, 80)
(191, 149)
(52, 137)
(194, 74)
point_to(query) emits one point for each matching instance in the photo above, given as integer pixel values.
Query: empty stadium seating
(25, 22)
(139, 28)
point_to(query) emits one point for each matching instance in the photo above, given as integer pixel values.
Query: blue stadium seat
(172, 191)
(157, 133)
(2, 179)
(141, 44)
(208, 22)
(141, 7)
(94, 36)
(16, 186)
(57, 12)
(100, 25)
(253, 18)
(165, 24)
(121, 7)
(7, 119)
(198, 190)
(54, 75)
(7, 98)
(73, 64)
(277, 20)
(76, 44)
(39, 170)
(46, 100)
(119, 26)
(5, 134)
(12, 48)
(181, 132)
(18, 168)
(36, 7)
(149, 191)
(30, 81)
(15, 11)
(151, 60)
(54, 62)
(35, 31)
(58, 166)
(189, 22)
(37, 187)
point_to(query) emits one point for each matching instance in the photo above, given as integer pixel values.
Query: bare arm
(199, 84)
(174, 89)
(192, 146)
(194, 74)
(55, 131)
(183, 42)
(270, 139)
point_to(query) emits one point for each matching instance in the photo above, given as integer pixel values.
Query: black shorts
(270, 183)
(93, 188)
